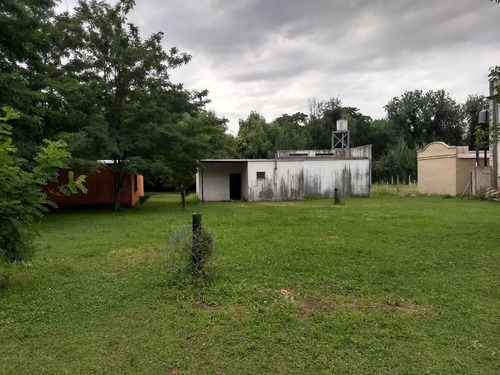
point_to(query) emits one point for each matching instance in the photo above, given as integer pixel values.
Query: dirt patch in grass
(306, 308)
(236, 312)
(15, 278)
(201, 306)
(135, 256)
(278, 203)
(403, 307)
(309, 307)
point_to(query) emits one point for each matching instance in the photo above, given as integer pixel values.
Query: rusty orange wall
(100, 190)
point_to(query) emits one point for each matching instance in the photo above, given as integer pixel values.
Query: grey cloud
(271, 55)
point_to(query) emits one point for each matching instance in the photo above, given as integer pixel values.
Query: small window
(261, 175)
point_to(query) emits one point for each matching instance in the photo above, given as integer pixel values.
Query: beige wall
(464, 170)
(481, 178)
(444, 169)
(437, 169)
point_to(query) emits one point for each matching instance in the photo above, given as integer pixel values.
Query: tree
(199, 137)
(30, 48)
(359, 126)
(470, 113)
(422, 118)
(380, 136)
(291, 131)
(23, 201)
(323, 117)
(256, 138)
(129, 106)
(399, 160)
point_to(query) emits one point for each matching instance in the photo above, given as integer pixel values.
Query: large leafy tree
(30, 51)
(198, 137)
(323, 117)
(380, 136)
(256, 138)
(398, 160)
(22, 200)
(291, 131)
(124, 100)
(470, 115)
(259, 139)
(422, 118)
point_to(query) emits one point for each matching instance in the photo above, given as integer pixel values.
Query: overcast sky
(271, 56)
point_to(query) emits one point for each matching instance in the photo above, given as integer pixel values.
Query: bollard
(336, 198)
(195, 252)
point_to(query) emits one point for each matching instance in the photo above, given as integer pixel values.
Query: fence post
(336, 199)
(195, 252)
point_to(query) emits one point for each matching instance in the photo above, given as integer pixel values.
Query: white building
(291, 175)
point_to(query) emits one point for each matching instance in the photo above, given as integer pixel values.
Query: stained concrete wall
(288, 179)
(360, 152)
(213, 180)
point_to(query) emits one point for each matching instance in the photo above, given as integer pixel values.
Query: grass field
(385, 285)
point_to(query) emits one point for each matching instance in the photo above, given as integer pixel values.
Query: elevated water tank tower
(340, 137)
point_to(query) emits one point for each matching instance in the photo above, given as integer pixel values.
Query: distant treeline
(413, 119)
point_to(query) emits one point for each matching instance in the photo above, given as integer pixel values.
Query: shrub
(23, 201)
(143, 199)
(189, 252)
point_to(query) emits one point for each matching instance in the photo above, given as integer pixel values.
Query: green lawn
(383, 285)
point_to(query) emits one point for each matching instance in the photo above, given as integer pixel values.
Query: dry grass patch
(135, 256)
(202, 306)
(306, 308)
(403, 307)
(277, 204)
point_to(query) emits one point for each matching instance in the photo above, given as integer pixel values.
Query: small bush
(189, 252)
(143, 199)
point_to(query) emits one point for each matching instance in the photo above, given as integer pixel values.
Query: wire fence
(188, 250)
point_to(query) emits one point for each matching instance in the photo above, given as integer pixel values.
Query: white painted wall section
(213, 180)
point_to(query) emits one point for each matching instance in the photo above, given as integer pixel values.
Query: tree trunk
(117, 185)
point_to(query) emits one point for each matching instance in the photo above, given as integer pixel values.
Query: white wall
(215, 180)
(296, 179)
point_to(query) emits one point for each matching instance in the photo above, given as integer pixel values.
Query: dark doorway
(235, 186)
